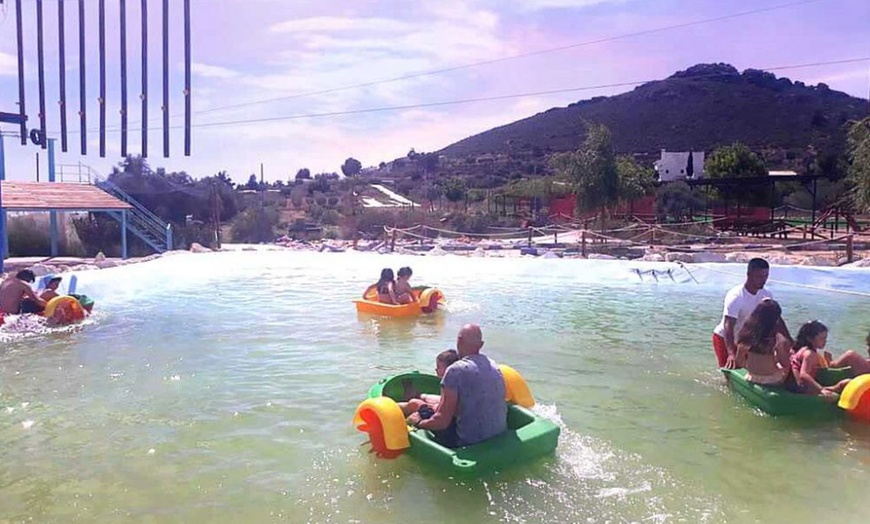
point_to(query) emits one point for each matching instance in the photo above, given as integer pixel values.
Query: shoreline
(687, 254)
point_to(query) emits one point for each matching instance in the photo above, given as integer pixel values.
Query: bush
(255, 225)
(29, 235)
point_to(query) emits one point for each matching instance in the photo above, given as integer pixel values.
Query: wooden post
(393, 242)
(849, 252)
(583, 243)
(530, 236)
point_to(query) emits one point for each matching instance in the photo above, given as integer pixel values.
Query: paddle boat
(428, 300)
(854, 401)
(65, 309)
(528, 437)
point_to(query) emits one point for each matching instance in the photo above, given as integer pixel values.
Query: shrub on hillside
(255, 225)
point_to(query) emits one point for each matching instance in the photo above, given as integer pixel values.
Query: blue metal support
(52, 214)
(169, 245)
(124, 234)
(2, 211)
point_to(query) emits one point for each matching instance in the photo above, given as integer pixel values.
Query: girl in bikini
(807, 359)
(385, 287)
(766, 359)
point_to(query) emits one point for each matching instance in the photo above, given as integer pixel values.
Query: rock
(63, 268)
(600, 256)
(815, 260)
(737, 257)
(779, 260)
(248, 248)
(842, 261)
(84, 267)
(653, 257)
(864, 262)
(40, 270)
(550, 254)
(708, 257)
(687, 258)
(106, 264)
(100, 257)
(198, 248)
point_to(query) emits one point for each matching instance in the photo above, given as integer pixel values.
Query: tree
(737, 161)
(454, 189)
(690, 166)
(591, 170)
(635, 180)
(676, 200)
(303, 174)
(252, 183)
(858, 147)
(351, 167)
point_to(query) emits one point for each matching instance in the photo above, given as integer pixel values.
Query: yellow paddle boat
(428, 300)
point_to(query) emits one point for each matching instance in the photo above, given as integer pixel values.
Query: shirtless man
(404, 292)
(16, 296)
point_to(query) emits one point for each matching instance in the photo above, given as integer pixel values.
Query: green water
(220, 388)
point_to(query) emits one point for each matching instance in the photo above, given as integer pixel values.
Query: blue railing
(150, 228)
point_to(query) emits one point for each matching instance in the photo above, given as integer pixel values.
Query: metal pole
(40, 72)
(165, 107)
(144, 94)
(61, 30)
(123, 36)
(187, 83)
(2, 211)
(169, 244)
(21, 110)
(52, 214)
(124, 234)
(102, 46)
(83, 101)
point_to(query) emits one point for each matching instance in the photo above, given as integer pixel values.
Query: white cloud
(328, 24)
(8, 64)
(539, 5)
(212, 71)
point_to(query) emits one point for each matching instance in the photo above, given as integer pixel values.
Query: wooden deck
(57, 196)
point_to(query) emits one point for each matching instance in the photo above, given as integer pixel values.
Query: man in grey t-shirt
(472, 407)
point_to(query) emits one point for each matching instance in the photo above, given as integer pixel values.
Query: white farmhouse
(673, 166)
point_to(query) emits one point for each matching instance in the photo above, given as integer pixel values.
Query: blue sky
(253, 50)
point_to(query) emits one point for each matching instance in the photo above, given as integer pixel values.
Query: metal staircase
(147, 226)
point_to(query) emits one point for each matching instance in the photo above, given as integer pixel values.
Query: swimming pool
(220, 387)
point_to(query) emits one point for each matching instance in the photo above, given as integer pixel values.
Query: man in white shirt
(740, 302)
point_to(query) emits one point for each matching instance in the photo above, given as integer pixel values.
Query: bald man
(472, 407)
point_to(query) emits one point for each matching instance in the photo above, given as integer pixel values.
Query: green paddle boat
(777, 401)
(528, 437)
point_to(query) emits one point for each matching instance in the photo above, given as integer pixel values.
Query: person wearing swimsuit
(806, 361)
(385, 287)
(767, 360)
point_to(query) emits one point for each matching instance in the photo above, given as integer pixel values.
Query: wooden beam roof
(57, 196)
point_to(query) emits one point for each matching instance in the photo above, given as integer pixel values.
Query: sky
(283, 60)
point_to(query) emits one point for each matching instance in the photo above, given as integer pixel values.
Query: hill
(701, 108)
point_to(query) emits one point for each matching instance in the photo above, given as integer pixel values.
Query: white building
(672, 166)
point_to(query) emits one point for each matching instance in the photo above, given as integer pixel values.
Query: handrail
(146, 224)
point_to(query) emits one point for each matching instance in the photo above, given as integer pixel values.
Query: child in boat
(404, 292)
(767, 359)
(385, 287)
(51, 289)
(415, 399)
(807, 360)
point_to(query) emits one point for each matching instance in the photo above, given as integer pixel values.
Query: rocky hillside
(701, 108)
